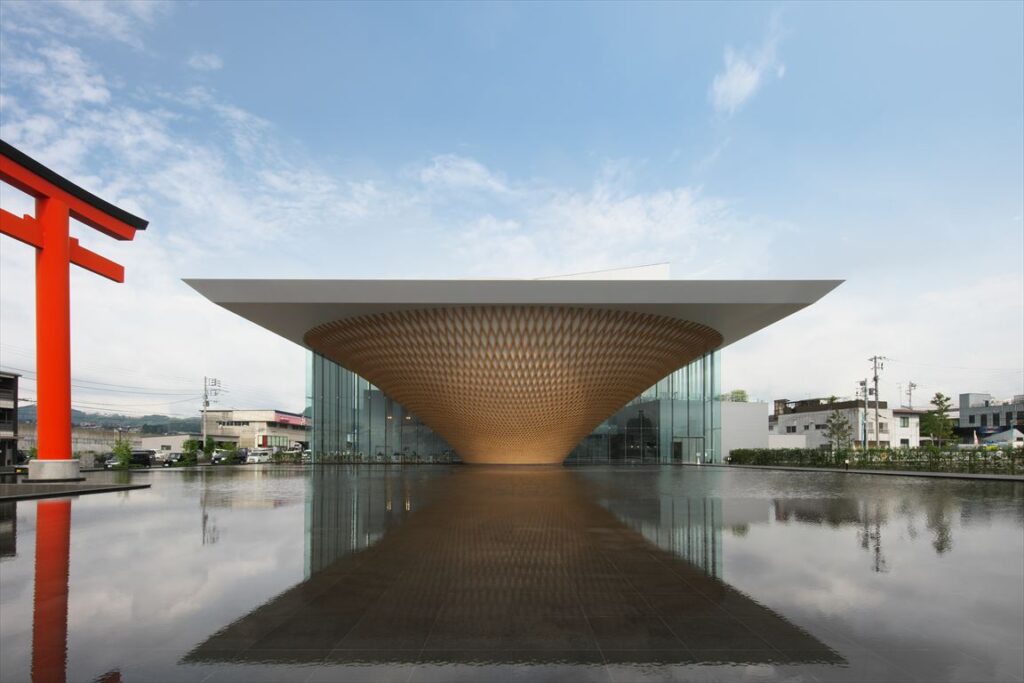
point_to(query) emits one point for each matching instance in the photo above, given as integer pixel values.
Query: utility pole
(211, 387)
(910, 395)
(863, 391)
(877, 364)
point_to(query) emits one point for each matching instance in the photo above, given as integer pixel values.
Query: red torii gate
(57, 201)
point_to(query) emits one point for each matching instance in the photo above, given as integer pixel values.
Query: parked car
(228, 457)
(138, 459)
(173, 459)
(258, 456)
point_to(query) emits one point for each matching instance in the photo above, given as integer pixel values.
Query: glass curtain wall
(353, 421)
(678, 420)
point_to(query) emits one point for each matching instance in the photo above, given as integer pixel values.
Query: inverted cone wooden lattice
(512, 384)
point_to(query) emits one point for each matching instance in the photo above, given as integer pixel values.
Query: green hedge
(981, 461)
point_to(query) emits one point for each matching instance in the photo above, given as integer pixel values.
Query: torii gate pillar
(57, 201)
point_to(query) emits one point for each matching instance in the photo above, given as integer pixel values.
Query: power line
(955, 367)
(113, 411)
(26, 376)
(134, 371)
(136, 405)
(102, 390)
(22, 351)
(242, 396)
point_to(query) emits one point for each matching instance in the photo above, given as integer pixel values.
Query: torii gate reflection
(57, 201)
(50, 599)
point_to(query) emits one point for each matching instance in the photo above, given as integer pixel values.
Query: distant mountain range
(148, 424)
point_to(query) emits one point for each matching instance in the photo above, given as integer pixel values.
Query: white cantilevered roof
(735, 308)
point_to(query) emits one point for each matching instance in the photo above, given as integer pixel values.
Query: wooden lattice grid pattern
(512, 384)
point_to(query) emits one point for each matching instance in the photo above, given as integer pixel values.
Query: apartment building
(897, 427)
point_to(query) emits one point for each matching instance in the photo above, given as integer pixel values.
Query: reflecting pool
(421, 573)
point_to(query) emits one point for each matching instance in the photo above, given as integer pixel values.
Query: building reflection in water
(497, 565)
(870, 516)
(8, 528)
(689, 528)
(350, 508)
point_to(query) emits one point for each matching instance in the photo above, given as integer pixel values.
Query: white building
(275, 429)
(743, 426)
(897, 427)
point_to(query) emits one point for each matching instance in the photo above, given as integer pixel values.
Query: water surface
(461, 573)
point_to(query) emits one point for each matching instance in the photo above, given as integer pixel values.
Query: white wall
(787, 441)
(812, 425)
(168, 443)
(744, 425)
(912, 432)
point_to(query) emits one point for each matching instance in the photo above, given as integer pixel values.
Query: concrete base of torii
(54, 471)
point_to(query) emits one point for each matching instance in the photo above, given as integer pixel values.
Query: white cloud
(745, 72)
(547, 230)
(205, 61)
(124, 21)
(460, 173)
(60, 77)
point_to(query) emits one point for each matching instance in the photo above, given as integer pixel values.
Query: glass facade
(678, 420)
(675, 421)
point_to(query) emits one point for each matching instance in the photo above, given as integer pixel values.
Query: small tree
(735, 396)
(209, 447)
(123, 453)
(190, 449)
(838, 430)
(936, 423)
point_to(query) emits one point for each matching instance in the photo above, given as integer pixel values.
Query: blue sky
(879, 143)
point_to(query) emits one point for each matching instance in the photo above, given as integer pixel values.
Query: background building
(744, 425)
(988, 416)
(897, 427)
(275, 429)
(8, 418)
(85, 441)
(167, 443)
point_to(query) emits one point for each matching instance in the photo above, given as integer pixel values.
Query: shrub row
(981, 461)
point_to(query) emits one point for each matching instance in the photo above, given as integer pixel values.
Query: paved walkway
(29, 491)
(898, 473)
